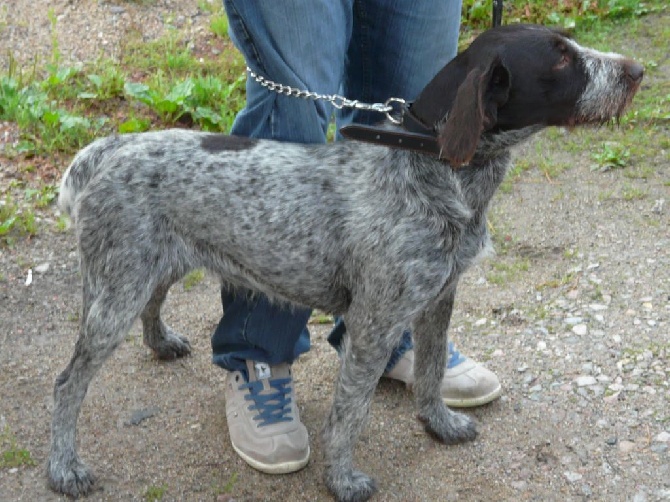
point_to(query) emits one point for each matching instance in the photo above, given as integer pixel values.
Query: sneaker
(465, 384)
(263, 419)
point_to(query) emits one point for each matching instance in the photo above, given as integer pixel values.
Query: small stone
(626, 446)
(597, 306)
(663, 437)
(523, 368)
(572, 320)
(138, 416)
(640, 497)
(480, 322)
(117, 9)
(585, 380)
(659, 447)
(519, 485)
(541, 345)
(42, 268)
(572, 477)
(580, 329)
(612, 441)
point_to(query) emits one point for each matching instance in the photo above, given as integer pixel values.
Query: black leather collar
(412, 134)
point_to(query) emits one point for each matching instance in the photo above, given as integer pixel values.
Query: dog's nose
(634, 71)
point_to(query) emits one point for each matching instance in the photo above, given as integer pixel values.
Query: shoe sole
(475, 401)
(283, 468)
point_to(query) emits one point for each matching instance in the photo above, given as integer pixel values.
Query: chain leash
(337, 101)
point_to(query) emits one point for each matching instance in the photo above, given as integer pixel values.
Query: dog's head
(518, 76)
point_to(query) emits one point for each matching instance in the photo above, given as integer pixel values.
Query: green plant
(15, 220)
(154, 493)
(227, 488)
(219, 26)
(41, 197)
(193, 278)
(12, 455)
(611, 155)
(632, 193)
(503, 272)
(207, 101)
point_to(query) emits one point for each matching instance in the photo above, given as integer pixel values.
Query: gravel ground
(573, 315)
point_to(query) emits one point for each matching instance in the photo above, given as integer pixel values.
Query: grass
(154, 493)
(504, 273)
(193, 278)
(168, 82)
(11, 456)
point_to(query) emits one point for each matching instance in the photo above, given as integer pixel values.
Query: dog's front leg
(367, 350)
(430, 340)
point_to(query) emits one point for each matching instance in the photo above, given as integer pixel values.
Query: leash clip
(397, 120)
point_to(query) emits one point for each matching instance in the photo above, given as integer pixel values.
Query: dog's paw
(450, 427)
(171, 346)
(350, 485)
(73, 478)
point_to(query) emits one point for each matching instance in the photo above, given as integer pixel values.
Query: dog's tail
(84, 167)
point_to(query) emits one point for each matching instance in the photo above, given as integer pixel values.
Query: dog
(378, 235)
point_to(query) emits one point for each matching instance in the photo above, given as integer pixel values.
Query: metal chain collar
(336, 100)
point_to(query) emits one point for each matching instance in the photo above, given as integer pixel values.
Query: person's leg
(256, 340)
(397, 47)
(282, 41)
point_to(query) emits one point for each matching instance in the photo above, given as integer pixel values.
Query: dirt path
(573, 315)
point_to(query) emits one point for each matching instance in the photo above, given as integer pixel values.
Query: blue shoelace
(272, 408)
(455, 357)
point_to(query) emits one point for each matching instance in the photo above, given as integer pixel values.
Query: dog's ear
(474, 110)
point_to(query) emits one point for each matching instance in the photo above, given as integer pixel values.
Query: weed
(154, 493)
(15, 220)
(320, 318)
(208, 6)
(62, 223)
(506, 272)
(611, 155)
(41, 197)
(630, 193)
(193, 278)
(227, 488)
(219, 26)
(12, 455)
(557, 282)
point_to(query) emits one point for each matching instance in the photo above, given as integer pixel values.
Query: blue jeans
(368, 50)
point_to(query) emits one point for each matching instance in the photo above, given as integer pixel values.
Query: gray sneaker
(263, 419)
(466, 383)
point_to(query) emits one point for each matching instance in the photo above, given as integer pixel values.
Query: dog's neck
(494, 144)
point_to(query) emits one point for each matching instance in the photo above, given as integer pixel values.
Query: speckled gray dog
(375, 234)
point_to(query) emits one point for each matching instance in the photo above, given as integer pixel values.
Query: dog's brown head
(517, 76)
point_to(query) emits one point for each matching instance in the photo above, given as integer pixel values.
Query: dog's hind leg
(367, 350)
(430, 348)
(107, 317)
(166, 343)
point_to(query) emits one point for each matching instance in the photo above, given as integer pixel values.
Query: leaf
(7, 225)
(139, 91)
(134, 125)
(96, 80)
(180, 92)
(68, 122)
